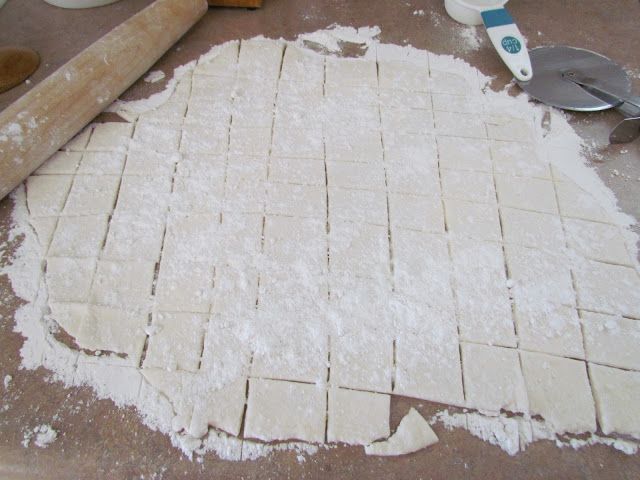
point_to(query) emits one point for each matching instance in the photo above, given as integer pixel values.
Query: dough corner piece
(413, 434)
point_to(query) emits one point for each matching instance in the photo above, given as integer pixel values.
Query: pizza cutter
(581, 80)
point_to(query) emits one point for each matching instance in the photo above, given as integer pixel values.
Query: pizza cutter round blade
(551, 86)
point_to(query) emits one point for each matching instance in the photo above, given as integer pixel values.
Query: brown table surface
(98, 440)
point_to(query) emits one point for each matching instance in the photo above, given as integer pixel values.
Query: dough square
(357, 418)
(508, 128)
(212, 90)
(240, 235)
(404, 99)
(69, 279)
(407, 120)
(296, 241)
(534, 194)
(221, 61)
(160, 137)
(362, 306)
(300, 171)
(222, 409)
(261, 95)
(460, 153)
(448, 102)
(44, 228)
(101, 163)
(361, 360)
(148, 163)
(123, 284)
(467, 185)
(245, 184)
(260, 58)
(297, 200)
(79, 236)
(358, 206)
(611, 340)
(363, 146)
(550, 329)
(576, 203)
(214, 113)
(354, 96)
(302, 63)
(459, 124)
(539, 277)
(114, 330)
(198, 139)
(422, 268)
(46, 194)
(292, 141)
(403, 76)
(200, 166)
(235, 290)
(551, 381)
(446, 82)
(616, 393)
(250, 141)
(365, 117)
(92, 195)
(60, 163)
(177, 341)
(134, 236)
(148, 194)
(110, 137)
(428, 366)
(277, 283)
(279, 410)
(351, 71)
(361, 249)
(79, 142)
(598, 241)
(414, 178)
(356, 175)
(482, 297)
(226, 355)
(299, 96)
(416, 212)
(520, 159)
(191, 237)
(410, 149)
(532, 229)
(197, 195)
(184, 286)
(475, 220)
(293, 352)
(493, 378)
(608, 288)
(250, 116)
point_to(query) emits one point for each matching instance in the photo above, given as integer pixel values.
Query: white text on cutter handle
(508, 42)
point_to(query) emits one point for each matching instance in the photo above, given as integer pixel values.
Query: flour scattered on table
(437, 242)
(42, 436)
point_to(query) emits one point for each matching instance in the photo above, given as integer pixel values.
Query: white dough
(413, 434)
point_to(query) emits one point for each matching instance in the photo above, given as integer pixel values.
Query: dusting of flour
(111, 378)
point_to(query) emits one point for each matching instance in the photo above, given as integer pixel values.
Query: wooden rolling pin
(36, 125)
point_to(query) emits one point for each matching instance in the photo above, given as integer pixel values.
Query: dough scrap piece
(616, 393)
(413, 434)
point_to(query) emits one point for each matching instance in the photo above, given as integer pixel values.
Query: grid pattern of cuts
(292, 238)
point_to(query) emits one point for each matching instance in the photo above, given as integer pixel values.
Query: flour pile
(288, 238)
